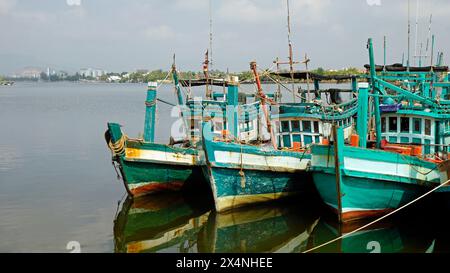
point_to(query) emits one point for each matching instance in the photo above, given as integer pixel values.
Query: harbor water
(60, 193)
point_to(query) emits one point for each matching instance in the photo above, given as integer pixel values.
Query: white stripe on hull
(347, 209)
(160, 157)
(382, 168)
(274, 163)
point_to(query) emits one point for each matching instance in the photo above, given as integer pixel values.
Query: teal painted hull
(147, 167)
(362, 198)
(242, 175)
(372, 182)
(231, 190)
(142, 178)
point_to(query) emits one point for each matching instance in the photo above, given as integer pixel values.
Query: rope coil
(118, 147)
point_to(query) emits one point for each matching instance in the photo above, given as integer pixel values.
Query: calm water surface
(57, 185)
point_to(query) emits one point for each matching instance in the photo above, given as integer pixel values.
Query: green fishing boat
(147, 167)
(242, 174)
(375, 176)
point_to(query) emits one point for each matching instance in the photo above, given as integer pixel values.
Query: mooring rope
(377, 220)
(118, 147)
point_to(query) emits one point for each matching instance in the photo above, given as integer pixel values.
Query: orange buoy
(297, 146)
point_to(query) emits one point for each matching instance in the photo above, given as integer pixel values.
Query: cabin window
(427, 147)
(417, 125)
(317, 139)
(417, 140)
(383, 124)
(296, 138)
(316, 126)
(285, 126)
(393, 125)
(308, 139)
(428, 127)
(392, 139)
(404, 125)
(306, 126)
(287, 141)
(295, 126)
(404, 139)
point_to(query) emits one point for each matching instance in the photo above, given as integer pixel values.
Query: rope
(266, 73)
(166, 102)
(163, 81)
(379, 219)
(417, 170)
(118, 147)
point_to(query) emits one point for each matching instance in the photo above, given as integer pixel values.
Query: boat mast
(206, 74)
(263, 99)
(210, 34)
(409, 35)
(417, 31)
(384, 55)
(291, 61)
(306, 61)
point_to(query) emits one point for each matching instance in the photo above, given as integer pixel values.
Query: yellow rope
(118, 147)
(379, 219)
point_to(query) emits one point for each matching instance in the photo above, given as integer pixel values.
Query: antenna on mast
(210, 35)
(417, 30)
(291, 61)
(409, 35)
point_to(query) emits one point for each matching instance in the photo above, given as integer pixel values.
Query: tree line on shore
(159, 74)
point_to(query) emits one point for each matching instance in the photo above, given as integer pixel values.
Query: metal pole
(384, 46)
(210, 33)
(432, 49)
(291, 61)
(409, 35)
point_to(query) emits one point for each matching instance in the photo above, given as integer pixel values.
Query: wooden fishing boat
(370, 179)
(147, 167)
(162, 223)
(242, 174)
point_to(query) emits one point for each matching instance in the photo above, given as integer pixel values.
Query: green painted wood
(363, 102)
(150, 113)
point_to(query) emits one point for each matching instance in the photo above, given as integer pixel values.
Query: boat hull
(233, 189)
(363, 197)
(148, 168)
(241, 175)
(142, 178)
(372, 182)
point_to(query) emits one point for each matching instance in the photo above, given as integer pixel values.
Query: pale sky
(124, 35)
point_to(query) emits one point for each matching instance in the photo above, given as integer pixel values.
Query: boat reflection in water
(396, 235)
(170, 223)
(159, 223)
(279, 227)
